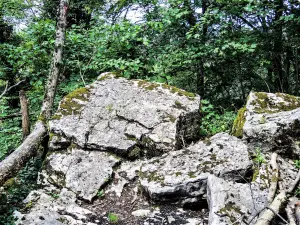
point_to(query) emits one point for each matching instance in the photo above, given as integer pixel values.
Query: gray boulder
(180, 176)
(270, 122)
(82, 172)
(125, 117)
(233, 203)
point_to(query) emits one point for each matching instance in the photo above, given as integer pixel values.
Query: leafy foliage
(214, 122)
(113, 218)
(16, 189)
(297, 164)
(259, 157)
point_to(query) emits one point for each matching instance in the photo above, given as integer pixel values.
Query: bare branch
(7, 89)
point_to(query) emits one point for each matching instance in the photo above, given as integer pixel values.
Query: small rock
(141, 213)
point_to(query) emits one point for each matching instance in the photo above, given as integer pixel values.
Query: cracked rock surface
(238, 202)
(125, 116)
(181, 176)
(51, 206)
(82, 172)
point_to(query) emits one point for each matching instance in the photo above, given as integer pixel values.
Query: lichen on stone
(179, 91)
(72, 103)
(109, 75)
(238, 124)
(263, 103)
(230, 210)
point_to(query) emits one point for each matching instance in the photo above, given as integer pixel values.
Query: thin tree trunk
(25, 114)
(56, 62)
(28, 149)
(296, 68)
(277, 50)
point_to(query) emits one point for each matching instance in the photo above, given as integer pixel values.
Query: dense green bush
(214, 121)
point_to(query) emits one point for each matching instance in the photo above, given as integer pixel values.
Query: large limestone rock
(233, 203)
(270, 122)
(124, 116)
(82, 172)
(181, 176)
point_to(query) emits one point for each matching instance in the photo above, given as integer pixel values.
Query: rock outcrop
(127, 152)
(270, 122)
(127, 117)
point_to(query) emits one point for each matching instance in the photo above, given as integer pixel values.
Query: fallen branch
(274, 178)
(16, 160)
(267, 216)
(273, 209)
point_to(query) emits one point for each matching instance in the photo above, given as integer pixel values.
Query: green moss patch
(151, 86)
(230, 210)
(238, 124)
(71, 104)
(263, 104)
(179, 91)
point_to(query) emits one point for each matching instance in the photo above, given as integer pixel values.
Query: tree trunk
(28, 149)
(56, 62)
(277, 49)
(25, 114)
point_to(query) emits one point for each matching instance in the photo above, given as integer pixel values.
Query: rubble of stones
(128, 152)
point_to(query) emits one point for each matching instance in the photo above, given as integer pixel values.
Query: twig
(256, 214)
(278, 215)
(7, 89)
(249, 188)
(293, 186)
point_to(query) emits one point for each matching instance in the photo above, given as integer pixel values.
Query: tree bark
(28, 149)
(56, 62)
(278, 45)
(25, 114)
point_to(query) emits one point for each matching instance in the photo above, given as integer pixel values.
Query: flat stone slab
(181, 176)
(233, 203)
(82, 172)
(270, 122)
(125, 116)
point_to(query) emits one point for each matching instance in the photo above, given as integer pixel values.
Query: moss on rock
(71, 104)
(263, 103)
(109, 76)
(238, 124)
